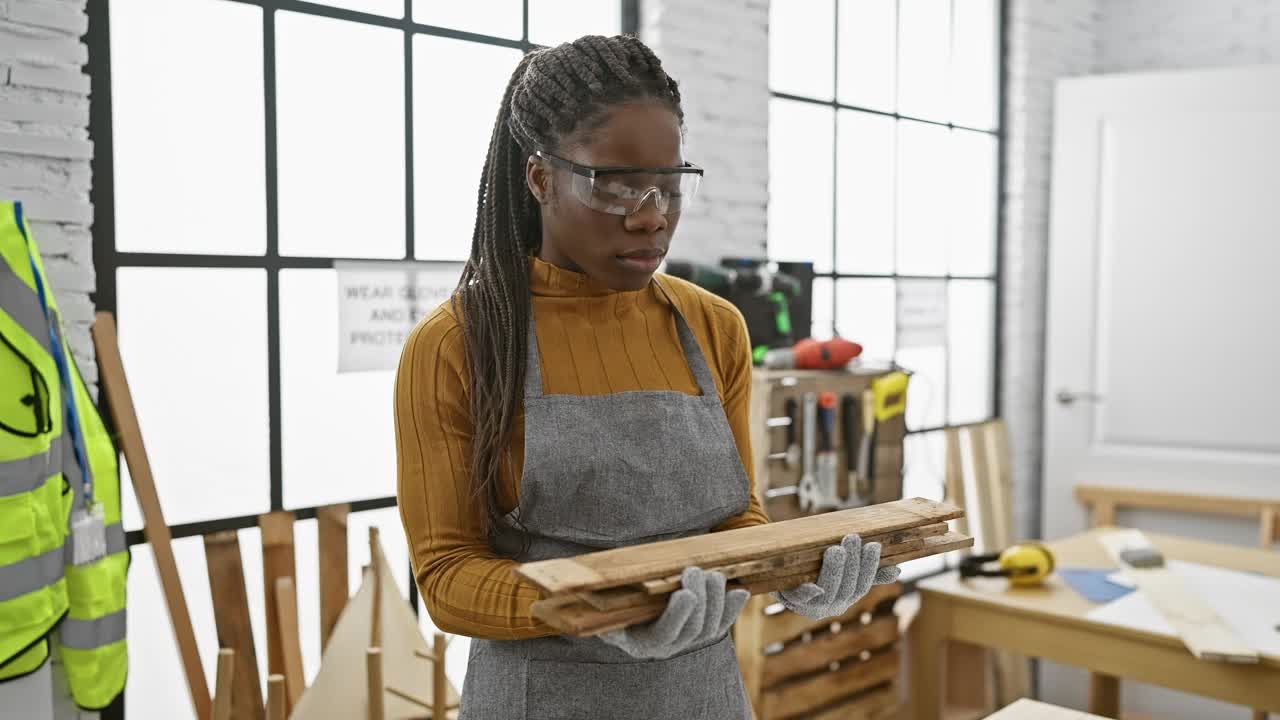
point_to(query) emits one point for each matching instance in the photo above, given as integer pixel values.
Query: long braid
(553, 93)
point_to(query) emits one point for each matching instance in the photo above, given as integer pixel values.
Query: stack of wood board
(597, 592)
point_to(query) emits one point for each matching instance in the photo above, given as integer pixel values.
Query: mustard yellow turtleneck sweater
(593, 341)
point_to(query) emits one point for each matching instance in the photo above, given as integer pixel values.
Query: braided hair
(554, 93)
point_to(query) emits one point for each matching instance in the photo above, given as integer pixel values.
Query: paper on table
(1249, 604)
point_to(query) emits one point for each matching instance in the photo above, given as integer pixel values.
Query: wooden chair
(978, 480)
(1103, 501)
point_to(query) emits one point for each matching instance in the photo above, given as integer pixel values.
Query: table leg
(1104, 695)
(928, 642)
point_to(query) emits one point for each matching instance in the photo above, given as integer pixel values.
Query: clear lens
(625, 193)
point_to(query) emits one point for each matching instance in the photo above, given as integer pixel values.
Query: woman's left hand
(848, 572)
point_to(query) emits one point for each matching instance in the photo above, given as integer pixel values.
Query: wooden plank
(625, 566)
(439, 680)
(1203, 632)
(129, 432)
(226, 684)
(331, 528)
(1270, 527)
(776, 562)
(797, 698)
(574, 617)
(821, 651)
(290, 643)
(955, 489)
(787, 625)
(231, 615)
(878, 704)
(746, 641)
(277, 562)
(276, 700)
(376, 690)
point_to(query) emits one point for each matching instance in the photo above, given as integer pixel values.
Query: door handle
(1067, 397)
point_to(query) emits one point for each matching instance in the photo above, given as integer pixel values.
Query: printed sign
(380, 303)
(922, 313)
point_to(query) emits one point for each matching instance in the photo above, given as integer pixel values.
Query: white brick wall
(45, 149)
(719, 52)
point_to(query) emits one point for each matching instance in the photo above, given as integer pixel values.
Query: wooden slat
(821, 651)
(746, 634)
(439, 680)
(878, 704)
(276, 699)
(290, 643)
(331, 528)
(578, 618)
(787, 626)
(125, 421)
(373, 677)
(901, 539)
(225, 684)
(796, 699)
(277, 562)
(231, 615)
(625, 566)
(996, 442)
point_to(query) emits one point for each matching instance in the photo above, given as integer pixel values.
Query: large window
(242, 147)
(884, 146)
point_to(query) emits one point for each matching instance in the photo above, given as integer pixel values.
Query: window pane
(973, 192)
(198, 336)
(450, 147)
(974, 64)
(502, 18)
(867, 53)
(866, 316)
(172, 83)
(389, 8)
(927, 391)
(802, 48)
(552, 22)
(322, 409)
(864, 217)
(801, 136)
(924, 42)
(971, 342)
(340, 134)
(923, 475)
(922, 198)
(820, 321)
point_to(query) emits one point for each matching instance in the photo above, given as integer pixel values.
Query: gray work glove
(848, 572)
(699, 612)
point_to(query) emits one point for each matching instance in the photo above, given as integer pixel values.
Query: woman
(568, 400)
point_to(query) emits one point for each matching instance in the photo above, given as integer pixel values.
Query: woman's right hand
(699, 612)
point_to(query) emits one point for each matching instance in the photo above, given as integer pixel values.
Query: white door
(1163, 322)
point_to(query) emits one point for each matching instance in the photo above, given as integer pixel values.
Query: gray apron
(609, 471)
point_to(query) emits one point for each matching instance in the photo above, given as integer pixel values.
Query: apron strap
(688, 342)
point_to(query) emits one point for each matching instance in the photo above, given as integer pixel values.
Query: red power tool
(810, 354)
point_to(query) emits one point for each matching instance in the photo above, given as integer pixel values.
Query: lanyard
(64, 371)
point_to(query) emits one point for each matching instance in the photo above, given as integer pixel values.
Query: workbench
(1051, 622)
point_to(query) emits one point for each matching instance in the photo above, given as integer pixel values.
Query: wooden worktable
(1051, 622)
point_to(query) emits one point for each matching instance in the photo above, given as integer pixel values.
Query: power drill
(810, 354)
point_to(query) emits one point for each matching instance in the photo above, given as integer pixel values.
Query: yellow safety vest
(43, 595)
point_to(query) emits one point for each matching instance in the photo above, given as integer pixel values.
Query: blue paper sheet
(1093, 584)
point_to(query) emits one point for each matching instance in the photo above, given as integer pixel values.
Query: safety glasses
(624, 190)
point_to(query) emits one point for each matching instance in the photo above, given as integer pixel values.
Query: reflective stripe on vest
(31, 574)
(27, 474)
(22, 304)
(92, 634)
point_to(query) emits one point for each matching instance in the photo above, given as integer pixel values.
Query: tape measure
(1024, 564)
